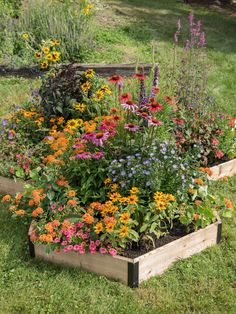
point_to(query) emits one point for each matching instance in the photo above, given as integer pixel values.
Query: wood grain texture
(226, 169)
(9, 186)
(104, 70)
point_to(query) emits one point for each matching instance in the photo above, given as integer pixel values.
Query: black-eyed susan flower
(46, 50)
(44, 64)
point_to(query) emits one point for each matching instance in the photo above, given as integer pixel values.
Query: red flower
(155, 90)
(115, 79)
(215, 141)
(154, 106)
(139, 76)
(219, 154)
(168, 99)
(125, 97)
(178, 121)
(113, 110)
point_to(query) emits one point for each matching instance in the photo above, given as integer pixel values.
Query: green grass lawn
(131, 27)
(204, 283)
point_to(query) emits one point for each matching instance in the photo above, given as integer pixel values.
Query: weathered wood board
(133, 271)
(101, 69)
(9, 186)
(226, 169)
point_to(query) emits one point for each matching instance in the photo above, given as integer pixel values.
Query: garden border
(133, 271)
(101, 69)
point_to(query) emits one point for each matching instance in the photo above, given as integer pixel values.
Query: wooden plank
(106, 265)
(157, 261)
(226, 169)
(9, 186)
(104, 70)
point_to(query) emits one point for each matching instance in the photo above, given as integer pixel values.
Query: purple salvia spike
(142, 95)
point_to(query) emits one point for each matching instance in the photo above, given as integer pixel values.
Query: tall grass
(63, 20)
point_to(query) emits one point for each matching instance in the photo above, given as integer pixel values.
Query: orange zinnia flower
(199, 181)
(71, 193)
(228, 203)
(6, 198)
(72, 202)
(88, 218)
(198, 202)
(20, 212)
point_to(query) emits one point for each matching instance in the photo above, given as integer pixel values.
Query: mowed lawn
(204, 283)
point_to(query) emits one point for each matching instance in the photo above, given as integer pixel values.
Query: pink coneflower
(131, 127)
(99, 138)
(129, 105)
(84, 155)
(115, 79)
(113, 110)
(154, 106)
(143, 114)
(125, 97)
(139, 76)
(98, 155)
(168, 99)
(107, 125)
(154, 121)
(155, 90)
(116, 118)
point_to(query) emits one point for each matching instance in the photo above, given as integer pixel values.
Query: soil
(146, 246)
(219, 161)
(221, 5)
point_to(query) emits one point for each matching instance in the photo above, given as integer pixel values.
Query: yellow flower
(55, 56)
(124, 231)
(89, 73)
(107, 181)
(80, 107)
(114, 187)
(115, 197)
(98, 228)
(86, 86)
(44, 64)
(134, 190)
(132, 199)
(124, 218)
(38, 55)
(56, 42)
(105, 89)
(109, 227)
(49, 57)
(46, 50)
(74, 123)
(98, 95)
(60, 120)
(87, 9)
(25, 36)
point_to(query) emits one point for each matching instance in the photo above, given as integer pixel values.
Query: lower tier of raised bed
(132, 271)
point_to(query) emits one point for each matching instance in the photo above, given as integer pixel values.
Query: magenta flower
(99, 138)
(84, 155)
(131, 127)
(129, 105)
(56, 240)
(98, 155)
(77, 247)
(53, 206)
(64, 243)
(103, 250)
(113, 252)
(125, 97)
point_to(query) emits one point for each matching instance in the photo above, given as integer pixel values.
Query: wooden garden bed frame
(133, 271)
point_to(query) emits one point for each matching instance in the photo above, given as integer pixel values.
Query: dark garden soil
(146, 246)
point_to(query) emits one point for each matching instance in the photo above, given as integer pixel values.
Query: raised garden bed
(132, 271)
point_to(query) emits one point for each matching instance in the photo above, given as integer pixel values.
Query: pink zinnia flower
(125, 97)
(82, 251)
(64, 243)
(84, 155)
(219, 154)
(102, 250)
(79, 224)
(99, 138)
(70, 247)
(53, 206)
(154, 121)
(129, 105)
(65, 250)
(57, 240)
(97, 242)
(131, 127)
(58, 251)
(60, 208)
(98, 155)
(77, 247)
(113, 252)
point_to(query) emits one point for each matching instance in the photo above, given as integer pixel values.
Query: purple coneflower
(99, 138)
(154, 121)
(131, 127)
(129, 105)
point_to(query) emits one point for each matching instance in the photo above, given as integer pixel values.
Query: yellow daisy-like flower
(49, 57)
(114, 187)
(86, 86)
(87, 9)
(60, 120)
(74, 123)
(55, 56)
(124, 231)
(56, 42)
(44, 64)
(105, 89)
(124, 218)
(46, 50)
(80, 107)
(109, 227)
(132, 199)
(89, 73)
(98, 95)
(25, 36)
(38, 55)
(134, 190)
(98, 228)
(107, 181)
(115, 197)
